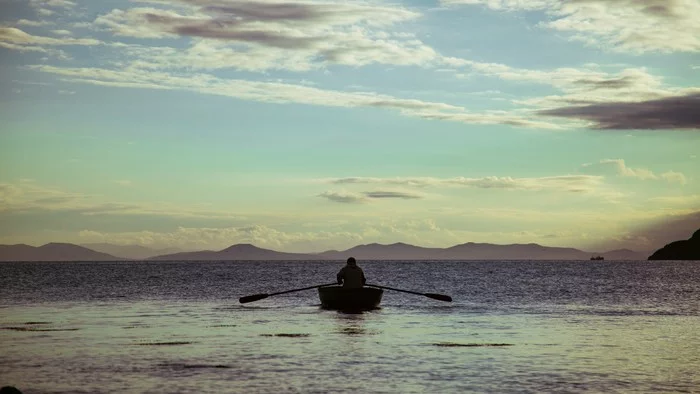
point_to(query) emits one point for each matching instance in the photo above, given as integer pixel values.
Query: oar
(440, 297)
(257, 297)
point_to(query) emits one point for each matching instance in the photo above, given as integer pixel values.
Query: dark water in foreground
(163, 327)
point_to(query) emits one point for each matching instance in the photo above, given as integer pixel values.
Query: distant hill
(136, 252)
(374, 251)
(396, 251)
(484, 251)
(475, 251)
(236, 252)
(402, 251)
(52, 252)
(680, 250)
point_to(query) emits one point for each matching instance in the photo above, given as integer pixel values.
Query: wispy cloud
(673, 176)
(61, 32)
(45, 8)
(620, 25)
(30, 197)
(26, 22)
(344, 197)
(286, 93)
(621, 169)
(571, 183)
(52, 3)
(16, 36)
(589, 84)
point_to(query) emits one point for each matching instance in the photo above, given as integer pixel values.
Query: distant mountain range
(237, 252)
(473, 251)
(396, 251)
(52, 252)
(136, 252)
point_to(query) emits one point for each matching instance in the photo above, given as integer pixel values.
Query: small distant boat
(344, 299)
(598, 258)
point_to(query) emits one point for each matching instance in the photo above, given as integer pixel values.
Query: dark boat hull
(340, 298)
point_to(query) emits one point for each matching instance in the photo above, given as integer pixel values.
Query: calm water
(162, 327)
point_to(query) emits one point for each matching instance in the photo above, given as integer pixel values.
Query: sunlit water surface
(163, 327)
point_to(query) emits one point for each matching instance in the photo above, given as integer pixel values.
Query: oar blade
(439, 297)
(252, 298)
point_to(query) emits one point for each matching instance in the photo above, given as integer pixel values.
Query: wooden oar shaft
(257, 297)
(302, 289)
(391, 288)
(434, 296)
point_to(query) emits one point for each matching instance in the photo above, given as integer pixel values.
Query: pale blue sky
(311, 125)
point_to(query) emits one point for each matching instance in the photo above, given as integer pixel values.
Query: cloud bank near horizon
(28, 207)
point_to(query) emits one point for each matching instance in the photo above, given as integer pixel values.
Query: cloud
(52, 3)
(49, 7)
(620, 25)
(17, 36)
(24, 48)
(571, 183)
(31, 198)
(589, 84)
(367, 196)
(419, 181)
(62, 32)
(631, 98)
(271, 92)
(680, 112)
(25, 22)
(29, 195)
(300, 36)
(344, 197)
(392, 194)
(265, 35)
(504, 5)
(672, 176)
(622, 169)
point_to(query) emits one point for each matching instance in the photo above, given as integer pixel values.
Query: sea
(513, 327)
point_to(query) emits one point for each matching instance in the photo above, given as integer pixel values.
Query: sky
(305, 126)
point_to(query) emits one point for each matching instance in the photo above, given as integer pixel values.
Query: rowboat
(345, 299)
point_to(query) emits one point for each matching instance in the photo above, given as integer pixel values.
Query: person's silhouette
(351, 276)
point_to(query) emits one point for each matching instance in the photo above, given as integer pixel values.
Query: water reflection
(352, 324)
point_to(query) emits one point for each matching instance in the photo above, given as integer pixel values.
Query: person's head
(351, 261)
